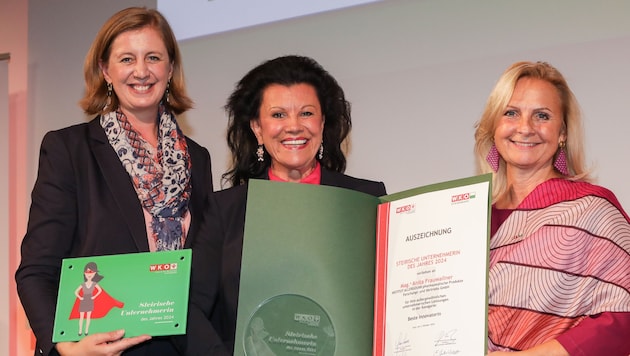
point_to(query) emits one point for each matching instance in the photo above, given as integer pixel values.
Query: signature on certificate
(445, 342)
(446, 352)
(446, 337)
(403, 345)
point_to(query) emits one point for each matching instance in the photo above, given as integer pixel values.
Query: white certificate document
(431, 270)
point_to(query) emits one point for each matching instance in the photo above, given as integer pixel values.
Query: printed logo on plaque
(289, 324)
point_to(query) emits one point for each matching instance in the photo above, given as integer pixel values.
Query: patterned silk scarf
(162, 179)
(561, 256)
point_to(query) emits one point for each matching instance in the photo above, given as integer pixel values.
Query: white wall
(418, 74)
(194, 18)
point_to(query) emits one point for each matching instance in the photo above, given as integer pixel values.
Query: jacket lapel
(198, 193)
(119, 184)
(329, 177)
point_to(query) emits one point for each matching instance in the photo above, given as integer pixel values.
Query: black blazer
(226, 219)
(84, 203)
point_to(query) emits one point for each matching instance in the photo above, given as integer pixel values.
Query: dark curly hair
(243, 106)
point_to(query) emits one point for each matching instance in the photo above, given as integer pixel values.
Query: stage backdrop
(418, 74)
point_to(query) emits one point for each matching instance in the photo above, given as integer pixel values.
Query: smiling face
(529, 132)
(290, 126)
(89, 274)
(139, 69)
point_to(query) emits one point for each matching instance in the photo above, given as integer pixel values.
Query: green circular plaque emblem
(289, 324)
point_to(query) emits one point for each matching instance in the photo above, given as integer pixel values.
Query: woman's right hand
(100, 344)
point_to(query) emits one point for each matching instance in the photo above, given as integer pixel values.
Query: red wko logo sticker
(406, 209)
(163, 267)
(462, 198)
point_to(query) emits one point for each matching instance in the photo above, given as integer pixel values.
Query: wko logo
(161, 267)
(308, 319)
(408, 209)
(462, 198)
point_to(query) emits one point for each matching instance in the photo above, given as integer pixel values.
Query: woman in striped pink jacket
(559, 281)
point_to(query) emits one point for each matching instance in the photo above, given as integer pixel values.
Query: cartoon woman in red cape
(87, 306)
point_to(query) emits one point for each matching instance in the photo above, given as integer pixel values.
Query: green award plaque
(289, 324)
(143, 293)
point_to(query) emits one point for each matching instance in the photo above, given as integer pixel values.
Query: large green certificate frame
(321, 269)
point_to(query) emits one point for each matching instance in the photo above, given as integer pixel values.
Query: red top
(315, 177)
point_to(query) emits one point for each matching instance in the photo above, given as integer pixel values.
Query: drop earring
(493, 158)
(320, 155)
(260, 153)
(167, 92)
(108, 101)
(561, 160)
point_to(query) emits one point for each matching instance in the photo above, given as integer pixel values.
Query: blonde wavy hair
(495, 108)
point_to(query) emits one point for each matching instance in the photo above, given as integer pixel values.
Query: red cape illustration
(102, 305)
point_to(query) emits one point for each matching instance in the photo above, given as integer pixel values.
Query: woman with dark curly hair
(288, 119)
(244, 110)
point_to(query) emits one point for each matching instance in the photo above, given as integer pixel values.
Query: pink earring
(493, 158)
(561, 160)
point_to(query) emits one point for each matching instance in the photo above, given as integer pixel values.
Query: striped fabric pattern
(562, 255)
